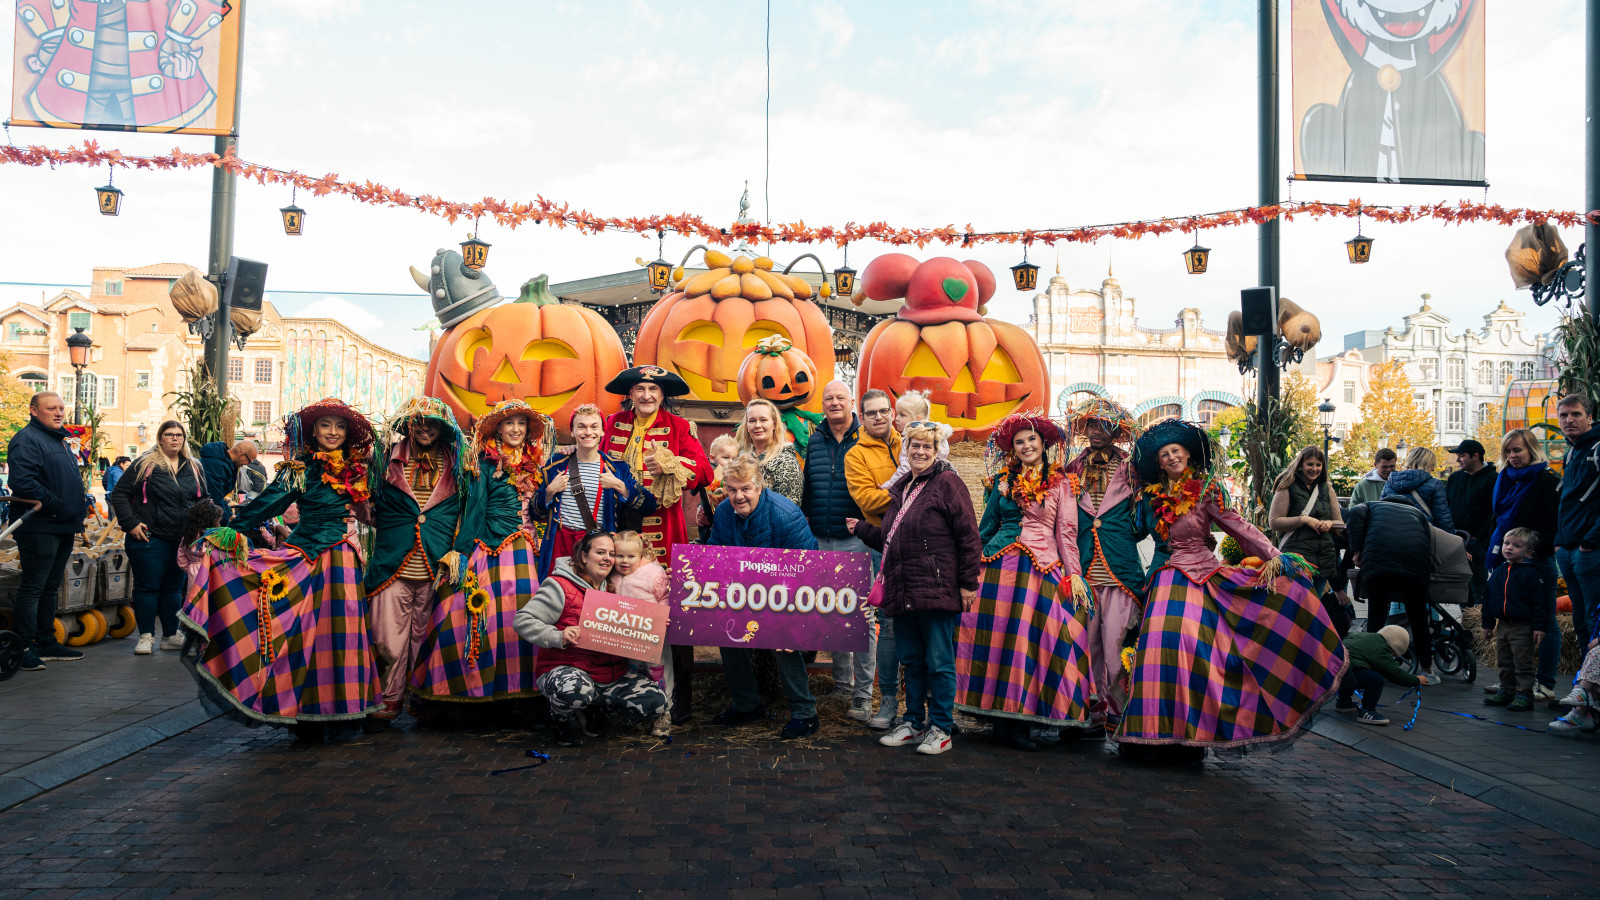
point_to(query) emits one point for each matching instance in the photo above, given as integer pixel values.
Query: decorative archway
(1207, 404)
(1158, 408)
(1064, 399)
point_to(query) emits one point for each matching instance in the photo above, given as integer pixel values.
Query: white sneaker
(1573, 722)
(888, 712)
(1578, 697)
(146, 645)
(172, 642)
(1540, 692)
(861, 709)
(903, 735)
(935, 743)
(662, 726)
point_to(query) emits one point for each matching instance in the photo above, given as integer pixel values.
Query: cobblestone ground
(222, 810)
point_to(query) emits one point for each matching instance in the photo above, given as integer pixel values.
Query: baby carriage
(1452, 644)
(10, 642)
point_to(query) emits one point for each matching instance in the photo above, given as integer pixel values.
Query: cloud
(836, 26)
(341, 310)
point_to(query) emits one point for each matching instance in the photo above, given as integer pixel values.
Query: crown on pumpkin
(938, 290)
(742, 276)
(775, 345)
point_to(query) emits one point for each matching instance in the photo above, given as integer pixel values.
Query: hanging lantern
(474, 253)
(294, 219)
(660, 271)
(1196, 258)
(1025, 273)
(844, 277)
(108, 197)
(1359, 247)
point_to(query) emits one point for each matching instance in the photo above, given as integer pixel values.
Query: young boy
(721, 450)
(1516, 599)
(1374, 659)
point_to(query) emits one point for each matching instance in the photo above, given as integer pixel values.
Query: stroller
(1452, 644)
(10, 642)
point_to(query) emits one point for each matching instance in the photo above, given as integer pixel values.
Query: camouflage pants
(571, 690)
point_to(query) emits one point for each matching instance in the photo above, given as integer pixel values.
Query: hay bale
(1571, 650)
(967, 459)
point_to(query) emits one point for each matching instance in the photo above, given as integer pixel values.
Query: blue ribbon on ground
(541, 757)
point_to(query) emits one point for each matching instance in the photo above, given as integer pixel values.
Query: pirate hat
(670, 383)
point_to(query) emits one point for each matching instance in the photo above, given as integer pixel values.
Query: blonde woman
(761, 437)
(1414, 483)
(1526, 495)
(151, 503)
(1305, 514)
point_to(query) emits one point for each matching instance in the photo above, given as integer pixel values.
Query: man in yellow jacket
(867, 466)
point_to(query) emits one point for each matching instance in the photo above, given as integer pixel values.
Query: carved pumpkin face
(554, 357)
(976, 373)
(712, 320)
(776, 371)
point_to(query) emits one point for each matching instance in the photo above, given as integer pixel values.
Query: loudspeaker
(247, 281)
(1259, 307)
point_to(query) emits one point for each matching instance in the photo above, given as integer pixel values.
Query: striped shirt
(571, 515)
(415, 566)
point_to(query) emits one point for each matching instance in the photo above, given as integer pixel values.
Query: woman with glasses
(151, 505)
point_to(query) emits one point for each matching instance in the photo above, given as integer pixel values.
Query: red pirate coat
(664, 527)
(159, 76)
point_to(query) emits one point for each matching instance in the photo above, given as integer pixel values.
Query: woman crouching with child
(637, 575)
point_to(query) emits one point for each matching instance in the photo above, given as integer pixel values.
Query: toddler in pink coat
(639, 576)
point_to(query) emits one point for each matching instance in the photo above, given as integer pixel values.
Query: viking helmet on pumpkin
(456, 290)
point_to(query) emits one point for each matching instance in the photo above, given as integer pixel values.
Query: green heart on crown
(955, 289)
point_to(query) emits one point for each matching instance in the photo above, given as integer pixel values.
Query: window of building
(1158, 413)
(108, 392)
(1455, 372)
(34, 381)
(1349, 392)
(1207, 410)
(235, 368)
(1427, 367)
(1505, 373)
(263, 371)
(1486, 374)
(1430, 337)
(141, 381)
(78, 319)
(1455, 414)
(262, 413)
(1421, 400)
(1483, 415)
(68, 387)
(113, 289)
(1525, 371)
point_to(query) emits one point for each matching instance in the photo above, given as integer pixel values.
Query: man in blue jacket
(221, 465)
(44, 468)
(753, 517)
(1577, 537)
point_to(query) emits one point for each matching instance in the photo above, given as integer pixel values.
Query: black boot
(1020, 738)
(569, 732)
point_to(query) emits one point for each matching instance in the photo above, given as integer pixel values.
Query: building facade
(1093, 344)
(143, 352)
(1457, 376)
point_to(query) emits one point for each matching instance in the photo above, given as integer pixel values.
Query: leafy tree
(1389, 415)
(1490, 430)
(14, 399)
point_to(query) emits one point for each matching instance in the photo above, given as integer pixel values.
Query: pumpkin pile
(977, 371)
(712, 320)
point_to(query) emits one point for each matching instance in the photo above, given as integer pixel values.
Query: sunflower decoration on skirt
(477, 610)
(275, 586)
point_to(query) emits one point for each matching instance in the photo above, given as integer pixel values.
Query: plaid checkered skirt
(1224, 663)
(446, 667)
(1023, 653)
(315, 664)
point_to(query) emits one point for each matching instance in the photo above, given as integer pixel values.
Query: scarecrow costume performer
(1108, 544)
(416, 512)
(472, 654)
(1227, 657)
(1022, 654)
(284, 631)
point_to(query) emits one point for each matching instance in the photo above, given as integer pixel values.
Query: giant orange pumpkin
(554, 356)
(711, 321)
(977, 371)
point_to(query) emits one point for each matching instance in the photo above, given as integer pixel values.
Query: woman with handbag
(1022, 656)
(1305, 513)
(929, 541)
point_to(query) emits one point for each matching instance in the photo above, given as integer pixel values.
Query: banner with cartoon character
(127, 65)
(1389, 90)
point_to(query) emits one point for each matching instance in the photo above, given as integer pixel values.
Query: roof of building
(152, 340)
(159, 270)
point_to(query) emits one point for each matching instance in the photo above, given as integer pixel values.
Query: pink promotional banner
(769, 599)
(623, 626)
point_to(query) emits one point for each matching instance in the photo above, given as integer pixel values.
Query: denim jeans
(43, 558)
(157, 584)
(1582, 571)
(927, 645)
(1550, 647)
(853, 672)
(740, 668)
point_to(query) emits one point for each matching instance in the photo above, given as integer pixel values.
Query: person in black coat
(221, 464)
(44, 468)
(1391, 541)
(152, 501)
(1470, 493)
(826, 501)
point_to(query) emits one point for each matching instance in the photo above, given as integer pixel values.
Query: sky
(1006, 115)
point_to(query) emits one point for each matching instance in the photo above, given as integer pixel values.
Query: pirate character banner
(1389, 91)
(126, 65)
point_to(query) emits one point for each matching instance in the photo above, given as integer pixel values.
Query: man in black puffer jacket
(43, 468)
(1391, 541)
(827, 503)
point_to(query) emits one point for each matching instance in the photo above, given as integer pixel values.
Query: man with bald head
(44, 468)
(222, 464)
(826, 504)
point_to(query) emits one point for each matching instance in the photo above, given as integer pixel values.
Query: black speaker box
(1260, 310)
(247, 282)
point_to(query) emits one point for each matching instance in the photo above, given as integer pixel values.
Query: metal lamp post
(1225, 437)
(1325, 411)
(78, 345)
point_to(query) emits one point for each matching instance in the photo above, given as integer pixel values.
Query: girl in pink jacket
(639, 576)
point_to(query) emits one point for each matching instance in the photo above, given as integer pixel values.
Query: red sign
(622, 626)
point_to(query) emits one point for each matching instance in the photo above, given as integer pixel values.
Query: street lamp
(1325, 411)
(78, 345)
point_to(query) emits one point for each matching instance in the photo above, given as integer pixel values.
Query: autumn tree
(1300, 399)
(1389, 415)
(1491, 428)
(14, 399)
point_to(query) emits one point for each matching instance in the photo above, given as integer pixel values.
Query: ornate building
(143, 352)
(1456, 376)
(1093, 344)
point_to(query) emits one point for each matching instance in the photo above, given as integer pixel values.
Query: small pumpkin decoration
(711, 321)
(977, 371)
(776, 371)
(553, 356)
(1251, 562)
